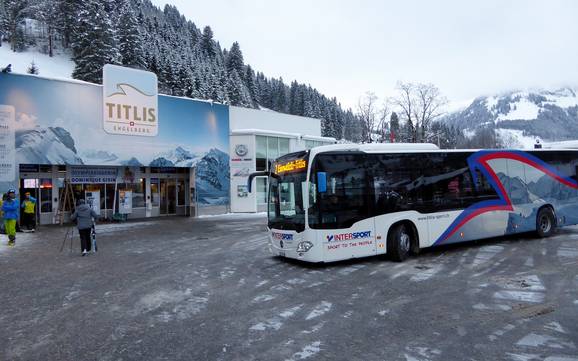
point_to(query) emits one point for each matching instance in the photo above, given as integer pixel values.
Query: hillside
(519, 117)
(187, 60)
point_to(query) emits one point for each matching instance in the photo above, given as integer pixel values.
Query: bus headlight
(304, 246)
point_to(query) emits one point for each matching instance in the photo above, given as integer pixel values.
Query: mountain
(161, 162)
(99, 156)
(213, 178)
(52, 145)
(181, 157)
(519, 117)
(132, 162)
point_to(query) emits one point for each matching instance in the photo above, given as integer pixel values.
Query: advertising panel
(92, 175)
(93, 200)
(130, 105)
(242, 150)
(124, 202)
(7, 144)
(61, 123)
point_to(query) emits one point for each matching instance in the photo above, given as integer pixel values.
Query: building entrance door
(168, 195)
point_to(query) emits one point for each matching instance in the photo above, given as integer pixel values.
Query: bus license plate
(281, 253)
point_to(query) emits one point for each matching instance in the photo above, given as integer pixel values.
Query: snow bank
(59, 66)
(523, 109)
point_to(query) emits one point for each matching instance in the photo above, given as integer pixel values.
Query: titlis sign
(130, 104)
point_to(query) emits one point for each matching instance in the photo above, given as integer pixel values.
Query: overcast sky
(344, 48)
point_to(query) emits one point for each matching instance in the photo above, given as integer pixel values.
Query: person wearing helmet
(11, 207)
(84, 215)
(29, 211)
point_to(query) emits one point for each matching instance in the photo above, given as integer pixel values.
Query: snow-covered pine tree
(32, 69)
(251, 83)
(234, 60)
(130, 42)
(94, 43)
(13, 12)
(48, 12)
(68, 20)
(207, 43)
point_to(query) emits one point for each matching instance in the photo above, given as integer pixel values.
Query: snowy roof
(377, 147)
(280, 134)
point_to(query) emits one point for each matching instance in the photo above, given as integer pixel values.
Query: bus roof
(377, 147)
(397, 148)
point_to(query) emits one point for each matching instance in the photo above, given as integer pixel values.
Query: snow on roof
(377, 147)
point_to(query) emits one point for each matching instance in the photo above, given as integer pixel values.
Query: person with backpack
(11, 208)
(84, 216)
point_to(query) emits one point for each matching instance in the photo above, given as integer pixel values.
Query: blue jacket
(11, 209)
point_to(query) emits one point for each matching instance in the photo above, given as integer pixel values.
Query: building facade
(131, 152)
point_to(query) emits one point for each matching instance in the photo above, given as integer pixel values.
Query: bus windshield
(287, 184)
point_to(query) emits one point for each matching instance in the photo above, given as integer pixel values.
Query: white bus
(340, 202)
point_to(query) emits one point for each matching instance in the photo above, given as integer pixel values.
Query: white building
(257, 138)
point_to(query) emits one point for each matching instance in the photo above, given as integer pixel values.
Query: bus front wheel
(399, 243)
(545, 222)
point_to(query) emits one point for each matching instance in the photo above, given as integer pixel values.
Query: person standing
(84, 215)
(11, 208)
(29, 207)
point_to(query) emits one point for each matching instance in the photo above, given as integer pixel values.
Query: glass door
(172, 196)
(163, 196)
(168, 196)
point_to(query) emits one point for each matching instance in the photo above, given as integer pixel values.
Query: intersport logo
(348, 236)
(282, 236)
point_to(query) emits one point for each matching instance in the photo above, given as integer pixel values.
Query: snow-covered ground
(59, 66)
(513, 138)
(523, 109)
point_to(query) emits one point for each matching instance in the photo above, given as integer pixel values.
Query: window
(181, 192)
(272, 149)
(261, 190)
(349, 196)
(155, 199)
(110, 196)
(283, 146)
(261, 158)
(45, 195)
(138, 193)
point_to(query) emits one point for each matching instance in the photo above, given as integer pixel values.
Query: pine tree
(94, 44)
(234, 59)
(13, 12)
(207, 43)
(68, 12)
(251, 83)
(33, 68)
(130, 41)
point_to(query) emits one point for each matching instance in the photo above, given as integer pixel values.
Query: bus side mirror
(321, 182)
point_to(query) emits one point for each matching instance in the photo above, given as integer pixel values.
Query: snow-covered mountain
(213, 178)
(181, 157)
(99, 156)
(52, 145)
(519, 117)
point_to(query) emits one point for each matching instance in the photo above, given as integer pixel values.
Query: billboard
(130, 104)
(61, 123)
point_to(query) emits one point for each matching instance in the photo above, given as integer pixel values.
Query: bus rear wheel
(399, 243)
(545, 222)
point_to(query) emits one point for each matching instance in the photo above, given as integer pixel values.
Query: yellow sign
(292, 166)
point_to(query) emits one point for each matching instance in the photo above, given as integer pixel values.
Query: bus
(338, 202)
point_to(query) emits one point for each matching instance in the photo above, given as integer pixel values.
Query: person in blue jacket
(11, 208)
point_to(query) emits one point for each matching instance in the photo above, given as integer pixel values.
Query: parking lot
(208, 289)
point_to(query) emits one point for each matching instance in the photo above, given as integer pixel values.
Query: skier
(84, 215)
(11, 208)
(29, 206)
